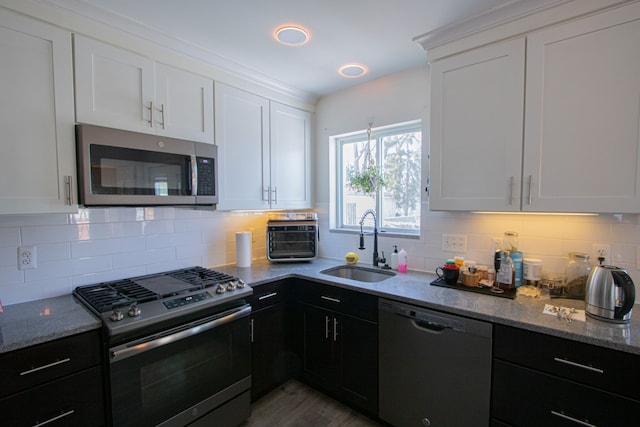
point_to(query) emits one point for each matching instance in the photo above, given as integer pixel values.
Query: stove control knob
(134, 311)
(220, 289)
(231, 286)
(116, 316)
(240, 284)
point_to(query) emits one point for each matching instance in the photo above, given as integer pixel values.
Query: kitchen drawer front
(599, 367)
(76, 400)
(25, 368)
(340, 300)
(267, 295)
(524, 397)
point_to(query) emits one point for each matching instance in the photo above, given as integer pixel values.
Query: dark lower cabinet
(58, 383)
(524, 397)
(339, 351)
(540, 380)
(270, 348)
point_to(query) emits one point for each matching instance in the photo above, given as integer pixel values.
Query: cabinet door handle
(511, 191)
(268, 191)
(335, 329)
(326, 327)
(50, 420)
(150, 114)
(262, 297)
(530, 181)
(68, 180)
(50, 365)
(578, 365)
(330, 299)
(162, 115)
(251, 330)
(275, 195)
(575, 420)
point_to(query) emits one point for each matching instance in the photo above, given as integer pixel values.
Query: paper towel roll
(243, 249)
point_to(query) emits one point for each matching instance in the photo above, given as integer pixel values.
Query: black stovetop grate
(106, 296)
(200, 276)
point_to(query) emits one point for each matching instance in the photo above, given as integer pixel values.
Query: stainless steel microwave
(123, 168)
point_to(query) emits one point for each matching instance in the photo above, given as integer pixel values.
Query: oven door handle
(124, 352)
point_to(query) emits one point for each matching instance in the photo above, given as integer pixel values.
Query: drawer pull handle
(578, 365)
(330, 299)
(273, 294)
(50, 365)
(64, 414)
(575, 420)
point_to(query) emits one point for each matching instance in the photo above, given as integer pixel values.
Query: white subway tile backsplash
(53, 252)
(9, 236)
(9, 276)
(36, 235)
(145, 257)
(93, 248)
(8, 256)
(49, 270)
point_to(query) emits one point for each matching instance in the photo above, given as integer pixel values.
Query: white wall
(404, 96)
(95, 245)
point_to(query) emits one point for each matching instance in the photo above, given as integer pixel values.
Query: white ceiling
(238, 33)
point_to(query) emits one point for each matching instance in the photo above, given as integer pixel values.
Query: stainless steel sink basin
(361, 274)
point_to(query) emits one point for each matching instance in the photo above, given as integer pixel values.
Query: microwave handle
(192, 179)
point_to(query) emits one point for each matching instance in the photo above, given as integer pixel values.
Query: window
(396, 152)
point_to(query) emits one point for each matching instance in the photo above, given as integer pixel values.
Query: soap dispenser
(402, 261)
(394, 258)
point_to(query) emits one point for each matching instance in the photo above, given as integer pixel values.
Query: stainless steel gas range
(177, 347)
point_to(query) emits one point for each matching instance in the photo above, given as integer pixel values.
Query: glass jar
(510, 241)
(577, 271)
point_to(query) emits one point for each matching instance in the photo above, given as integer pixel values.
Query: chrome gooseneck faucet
(375, 234)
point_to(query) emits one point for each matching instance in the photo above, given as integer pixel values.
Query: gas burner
(137, 305)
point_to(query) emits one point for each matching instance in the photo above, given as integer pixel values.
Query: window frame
(377, 134)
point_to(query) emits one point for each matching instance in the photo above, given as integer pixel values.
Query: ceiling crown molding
(508, 12)
(113, 21)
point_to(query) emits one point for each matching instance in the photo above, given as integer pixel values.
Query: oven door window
(296, 244)
(127, 171)
(155, 385)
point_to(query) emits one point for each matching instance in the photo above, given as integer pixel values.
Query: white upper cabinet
(185, 103)
(582, 121)
(476, 129)
(120, 89)
(263, 151)
(37, 144)
(242, 137)
(578, 148)
(290, 146)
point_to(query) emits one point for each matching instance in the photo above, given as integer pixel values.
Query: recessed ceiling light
(291, 35)
(352, 70)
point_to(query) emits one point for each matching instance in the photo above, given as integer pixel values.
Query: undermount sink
(361, 274)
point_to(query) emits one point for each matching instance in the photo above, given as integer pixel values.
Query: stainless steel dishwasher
(435, 368)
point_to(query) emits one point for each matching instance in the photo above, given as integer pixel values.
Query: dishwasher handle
(430, 326)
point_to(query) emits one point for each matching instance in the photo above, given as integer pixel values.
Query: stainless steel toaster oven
(292, 237)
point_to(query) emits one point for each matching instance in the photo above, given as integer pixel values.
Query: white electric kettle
(609, 294)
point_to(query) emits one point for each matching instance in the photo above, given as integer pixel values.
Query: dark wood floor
(296, 405)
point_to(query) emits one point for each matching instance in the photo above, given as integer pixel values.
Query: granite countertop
(414, 288)
(30, 323)
(35, 322)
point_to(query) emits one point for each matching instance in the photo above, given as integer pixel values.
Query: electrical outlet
(27, 259)
(454, 243)
(601, 250)
(496, 243)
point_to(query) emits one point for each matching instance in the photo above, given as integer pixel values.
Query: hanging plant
(368, 180)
